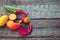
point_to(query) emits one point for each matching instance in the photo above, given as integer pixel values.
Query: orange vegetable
(9, 23)
(12, 16)
(26, 20)
(13, 26)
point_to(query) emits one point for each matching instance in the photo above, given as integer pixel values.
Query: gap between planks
(37, 36)
(42, 18)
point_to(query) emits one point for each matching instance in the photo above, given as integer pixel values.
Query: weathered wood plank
(37, 24)
(29, 2)
(42, 39)
(44, 11)
(12, 39)
(30, 39)
(45, 23)
(40, 27)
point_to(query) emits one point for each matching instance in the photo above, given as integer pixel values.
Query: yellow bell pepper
(3, 20)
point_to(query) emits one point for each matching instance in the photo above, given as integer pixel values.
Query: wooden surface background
(43, 29)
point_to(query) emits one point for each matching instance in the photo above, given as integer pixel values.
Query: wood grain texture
(37, 11)
(42, 39)
(43, 29)
(30, 39)
(12, 39)
(29, 2)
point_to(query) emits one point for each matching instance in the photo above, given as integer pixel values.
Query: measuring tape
(41, 11)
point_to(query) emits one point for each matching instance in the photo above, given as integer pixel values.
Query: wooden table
(43, 28)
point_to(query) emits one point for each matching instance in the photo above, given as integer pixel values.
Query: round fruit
(10, 23)
(23, 31)
(26, 20)
(12, 16)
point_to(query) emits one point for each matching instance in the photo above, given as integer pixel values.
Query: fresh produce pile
(9, 21)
